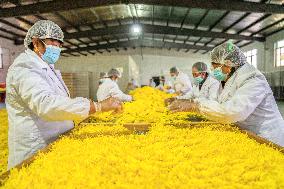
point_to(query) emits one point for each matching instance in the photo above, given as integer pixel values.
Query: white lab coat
(38, 105)
(209, 90)
(109, 88)
(153, 84)
(248, 101)
(182, 83)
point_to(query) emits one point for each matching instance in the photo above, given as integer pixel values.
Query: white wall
(152, 62)
(10, 52)
(265, 52)
(156, 62)
(134, 71)
(260, 54)
(269, 51)
(95, 64)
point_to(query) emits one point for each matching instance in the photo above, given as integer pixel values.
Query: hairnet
(103, 74)
(174, 70)
(114, 72)
(44, 29)
(228, 51)
(200, 66)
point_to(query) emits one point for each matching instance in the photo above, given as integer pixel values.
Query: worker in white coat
(181, 82)
(152, 83)
(109, 88)
(38, 103)
(246, 98)
(205, 86)
(103, 76)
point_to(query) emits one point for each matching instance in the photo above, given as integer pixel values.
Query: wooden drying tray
(48, 148)
(29, 160)
(140, 128)
(144, 127)
(100, 123)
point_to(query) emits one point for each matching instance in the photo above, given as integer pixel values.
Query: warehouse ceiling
(95, 26)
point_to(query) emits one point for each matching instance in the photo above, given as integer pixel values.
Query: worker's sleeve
(35, 92)
(186, 85)
(214, 90)
(239, 107)
(187, 96)
(117, 93)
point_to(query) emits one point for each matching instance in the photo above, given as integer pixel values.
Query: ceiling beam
(16, 35)
(13, 25)
(157, 29)
(63, 5)
(16, 2)
(6, 37)
(138, 43)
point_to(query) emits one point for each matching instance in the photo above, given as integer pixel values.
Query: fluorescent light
(136, 29)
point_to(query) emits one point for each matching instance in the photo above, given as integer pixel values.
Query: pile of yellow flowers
(166, 157)
(148, 107)
(211, 156)
(3, 140)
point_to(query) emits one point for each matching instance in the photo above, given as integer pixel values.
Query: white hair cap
(228, 54)
(114, 72)
(44, 29)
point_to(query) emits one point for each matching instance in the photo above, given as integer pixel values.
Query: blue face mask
(51, 54)
(173, 78)
(219, 75)
(198, 80)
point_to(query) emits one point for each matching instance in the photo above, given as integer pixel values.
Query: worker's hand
(167, 87)
(179, 93)
(92, 107)
(111, 104)
(168, 101)
(184, 106)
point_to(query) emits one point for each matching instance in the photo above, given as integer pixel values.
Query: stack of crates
(79, 84)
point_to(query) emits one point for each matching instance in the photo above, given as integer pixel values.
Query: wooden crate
(79, 84)
(68, 79)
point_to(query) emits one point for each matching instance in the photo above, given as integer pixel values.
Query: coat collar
(240, 76)
(45, 66)
(31, 53)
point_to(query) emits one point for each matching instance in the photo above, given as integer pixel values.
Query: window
(252, 57)
(279, 53)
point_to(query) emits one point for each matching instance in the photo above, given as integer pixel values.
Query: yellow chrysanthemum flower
(98, 156)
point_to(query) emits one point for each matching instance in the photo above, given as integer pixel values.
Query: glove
(184, 106)
(110, 104)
